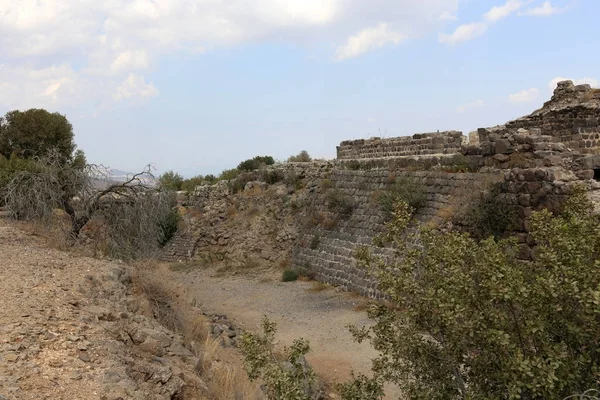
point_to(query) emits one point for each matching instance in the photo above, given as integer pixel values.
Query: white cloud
(104, 41)
(590, 81)
(130, 60)
(545, 10)
(133, 87)
(51, 87)
(474, 29)
(524, 96)
(470, 106)
(447, 16)
(498, 12)
(367, 40)
(463, 33)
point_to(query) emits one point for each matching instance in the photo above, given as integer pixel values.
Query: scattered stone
(84, 356)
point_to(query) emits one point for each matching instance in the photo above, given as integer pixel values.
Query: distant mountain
(108, 176)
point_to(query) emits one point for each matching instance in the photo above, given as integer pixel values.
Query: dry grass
(222, 369)
(318, 287)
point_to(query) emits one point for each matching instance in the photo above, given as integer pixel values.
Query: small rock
(84, 356)
(75, 375)
(11, 357)
(55, 363)
(73, 338)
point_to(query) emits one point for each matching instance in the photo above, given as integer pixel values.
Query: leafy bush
(271, 176)
(478, 322)
(170, 180)
(256, 163)
(490, 214)
(168, 226)
(9, 167)
(339, 203)
(189, 185)
(289, 275)
(361, 388)
(303, 156)
(228, 174)
(290, 378)
(407, 190)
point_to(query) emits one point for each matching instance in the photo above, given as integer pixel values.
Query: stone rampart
(419, 144)
(328, 251)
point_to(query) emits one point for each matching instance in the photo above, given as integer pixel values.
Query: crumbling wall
(419, 144)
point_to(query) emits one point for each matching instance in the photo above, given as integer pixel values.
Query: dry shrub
(391, 178)
(221, 368)
(318, 287)
(330, 222)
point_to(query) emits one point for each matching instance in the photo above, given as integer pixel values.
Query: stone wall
(328, 251)
(419, 144)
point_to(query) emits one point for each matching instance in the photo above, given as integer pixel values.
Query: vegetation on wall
(406, 189)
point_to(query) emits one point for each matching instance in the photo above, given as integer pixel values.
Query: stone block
(503, 146)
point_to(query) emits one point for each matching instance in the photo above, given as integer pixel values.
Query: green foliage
(303, 156)
(339, 203)
(167, 226)
(228, 174)
(171, 181)
(490, 214)
(289, 275)
(35, 132)
(255, 163)
(479, 323)
(9, 167)
(189, 185)
(289, 378)
(271, 176)
(408, 190)
(361, 387)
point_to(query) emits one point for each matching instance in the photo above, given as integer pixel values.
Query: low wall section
(419, 144)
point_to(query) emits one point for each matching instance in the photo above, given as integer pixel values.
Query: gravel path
(321, 316)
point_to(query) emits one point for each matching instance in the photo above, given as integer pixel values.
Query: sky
(196, 86)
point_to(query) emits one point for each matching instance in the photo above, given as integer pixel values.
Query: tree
(255, 163)
(170, 180)
(476, 322)
(34, 133)
(136, 217)
(303, 156)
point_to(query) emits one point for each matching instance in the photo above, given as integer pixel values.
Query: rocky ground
(66, 331)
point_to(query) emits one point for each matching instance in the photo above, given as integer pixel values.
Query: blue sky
(198, 85)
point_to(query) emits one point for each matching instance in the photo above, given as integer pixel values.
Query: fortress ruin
(534, 161)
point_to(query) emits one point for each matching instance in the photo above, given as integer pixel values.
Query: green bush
(303, 156)
(284, 378)
(9, 167)
(189, 185)
(256, 163)
(168, 226)
(228, 174)
(289, 275)
(339, 203)
(490, 214)
(271, 176)
(407, 190)
(170, 180)
(477, 322)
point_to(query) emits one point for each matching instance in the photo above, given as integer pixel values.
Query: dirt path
(321, 316)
